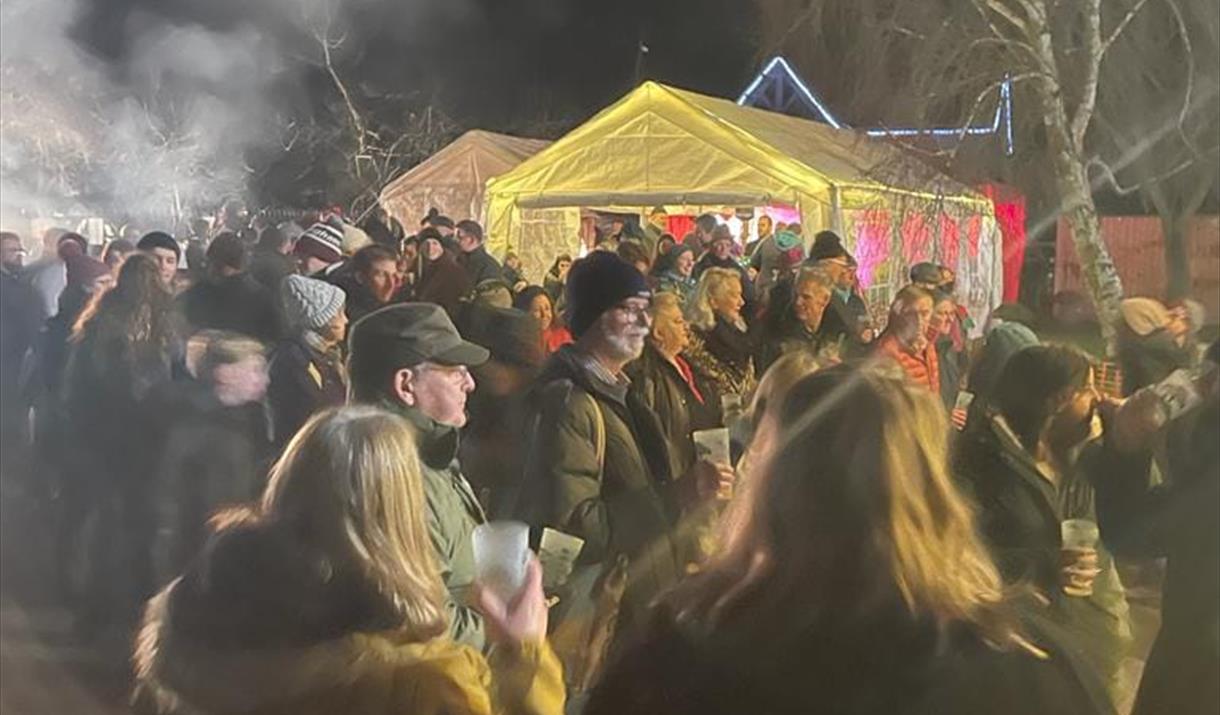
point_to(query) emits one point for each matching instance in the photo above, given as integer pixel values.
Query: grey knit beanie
(309, 302)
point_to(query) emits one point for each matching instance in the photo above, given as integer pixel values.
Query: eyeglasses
(457, 372)
(636, 312)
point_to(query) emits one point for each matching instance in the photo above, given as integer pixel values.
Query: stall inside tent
(689, 152)
(452, 179)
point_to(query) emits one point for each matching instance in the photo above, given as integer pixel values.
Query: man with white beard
(597, 465)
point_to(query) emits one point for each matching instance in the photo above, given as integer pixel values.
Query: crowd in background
(285, 437)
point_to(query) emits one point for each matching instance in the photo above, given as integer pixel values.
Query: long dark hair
(138, 310)
(1034, 384)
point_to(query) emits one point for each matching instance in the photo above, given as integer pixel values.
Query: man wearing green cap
(409, 358)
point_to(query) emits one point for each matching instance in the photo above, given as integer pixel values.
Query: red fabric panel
(872, 247)
(679, 226)
(950, 243)
(1010, 215)
(916, 240)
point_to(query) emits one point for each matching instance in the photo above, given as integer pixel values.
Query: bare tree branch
(1092, 68)
(1122, 25)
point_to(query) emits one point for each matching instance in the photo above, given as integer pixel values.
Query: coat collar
(438, 443)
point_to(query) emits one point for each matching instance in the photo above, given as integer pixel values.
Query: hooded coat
(304, 380)
(255, 627)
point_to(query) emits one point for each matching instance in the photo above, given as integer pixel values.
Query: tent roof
(660, 144)
(469, 159)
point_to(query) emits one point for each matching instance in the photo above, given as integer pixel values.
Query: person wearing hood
(474, 258)
(326, 597)
(410, 359)
(230, 299)
(1151, 343)
(597, 463)
(441, 279)
(306, 368)
(675, 274)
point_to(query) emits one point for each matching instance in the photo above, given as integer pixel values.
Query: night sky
(491, 63)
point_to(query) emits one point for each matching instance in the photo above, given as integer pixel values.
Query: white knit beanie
(354, 239)
(310, 303)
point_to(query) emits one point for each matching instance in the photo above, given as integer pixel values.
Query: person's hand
(1129, 425)
(711, 480)
(524, 619)
(1078, 569)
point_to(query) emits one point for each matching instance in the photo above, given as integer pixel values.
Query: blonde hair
(664, 300)
(855, 511)
(351, 478)
(714, 283)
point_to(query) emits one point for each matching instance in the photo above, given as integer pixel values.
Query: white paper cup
(501, 553)
(712, 445)
(1079, 535)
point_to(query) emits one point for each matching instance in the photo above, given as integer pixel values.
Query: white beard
(627, 347)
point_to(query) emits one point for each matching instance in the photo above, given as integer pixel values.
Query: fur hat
(354, 239)
(310, 303)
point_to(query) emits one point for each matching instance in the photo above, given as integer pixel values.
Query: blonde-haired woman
(326, 599)
(721, 350)
(856, 583)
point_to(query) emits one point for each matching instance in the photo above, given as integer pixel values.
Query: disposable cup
(712, 445)
(1079, 535)
(501, 553)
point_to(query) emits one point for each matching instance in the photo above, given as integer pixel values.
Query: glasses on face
(635, 312)
(458, 373)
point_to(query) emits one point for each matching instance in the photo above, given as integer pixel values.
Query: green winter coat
(453, 513)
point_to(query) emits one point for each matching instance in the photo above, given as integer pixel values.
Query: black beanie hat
(827, 244)
(159, 239)
(597, 283)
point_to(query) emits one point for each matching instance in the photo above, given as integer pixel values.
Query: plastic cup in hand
(712, 445)
(501, 553)
(1080, 537)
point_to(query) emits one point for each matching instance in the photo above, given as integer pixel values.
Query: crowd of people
(268, 450)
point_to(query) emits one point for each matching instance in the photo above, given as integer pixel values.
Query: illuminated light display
(778, 74)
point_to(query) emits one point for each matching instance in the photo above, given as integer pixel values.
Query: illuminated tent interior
(689, 153)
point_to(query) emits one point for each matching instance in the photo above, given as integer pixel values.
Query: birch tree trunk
(1065, 143)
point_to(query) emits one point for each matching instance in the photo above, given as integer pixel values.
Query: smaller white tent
(452, 179)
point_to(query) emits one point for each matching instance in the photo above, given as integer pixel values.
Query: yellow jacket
(356, 674)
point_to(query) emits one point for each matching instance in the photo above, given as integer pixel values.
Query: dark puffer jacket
(622, 506)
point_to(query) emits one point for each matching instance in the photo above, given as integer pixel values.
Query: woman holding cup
(1036, 508)
(326, 598)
